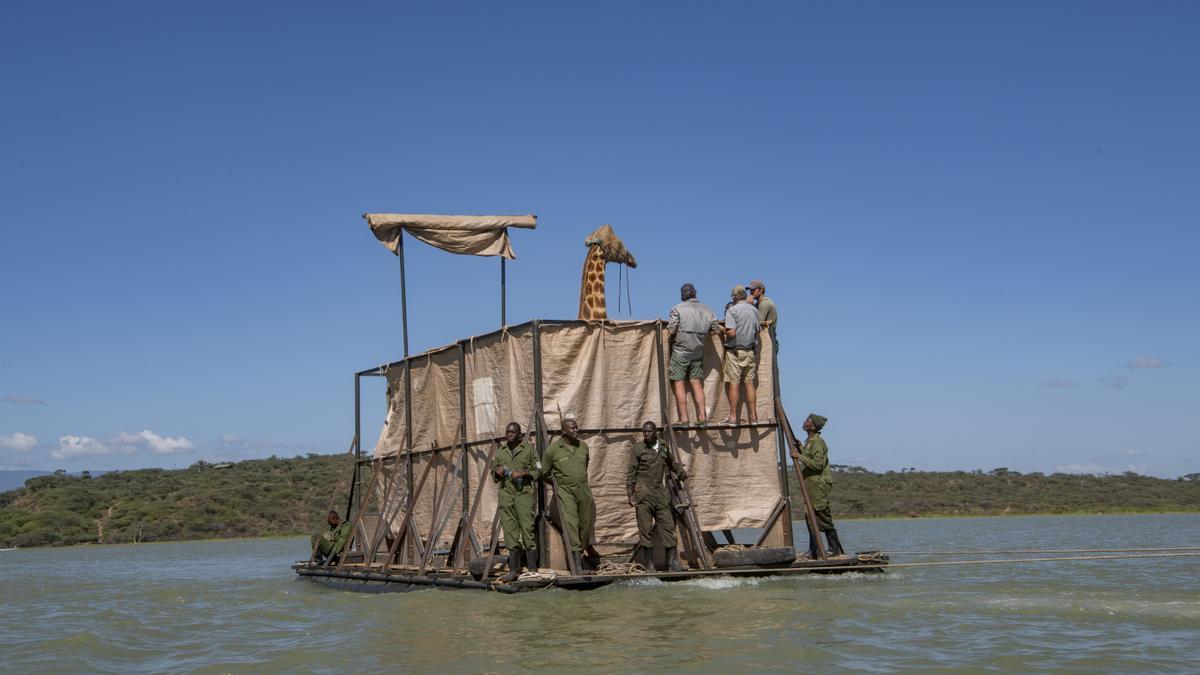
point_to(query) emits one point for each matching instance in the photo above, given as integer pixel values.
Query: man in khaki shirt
(767, 313)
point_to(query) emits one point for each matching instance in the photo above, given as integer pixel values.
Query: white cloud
(18, 441)
(72, 447)
(156, 444)
(1146, 363)
(1115, 382)
(1100, 469)
(1057, 382)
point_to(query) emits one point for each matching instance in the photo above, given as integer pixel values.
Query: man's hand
(632, 501)
(499, 472)
(795, 455)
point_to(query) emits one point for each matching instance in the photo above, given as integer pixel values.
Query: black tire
(755, 557)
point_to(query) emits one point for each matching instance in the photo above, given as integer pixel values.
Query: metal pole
(403, 291)
(503, 293)
(357, 445)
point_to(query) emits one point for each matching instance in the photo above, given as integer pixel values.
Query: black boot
(673, 560)
(514, 565)
(812, 546)
(644, 557)
(531, 559)
(835, 546)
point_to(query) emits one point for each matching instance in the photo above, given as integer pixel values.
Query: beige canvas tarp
(605, 376)
(468, 235)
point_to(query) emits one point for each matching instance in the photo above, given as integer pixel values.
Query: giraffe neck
(591, 287)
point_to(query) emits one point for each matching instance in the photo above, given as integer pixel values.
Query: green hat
(818, 421)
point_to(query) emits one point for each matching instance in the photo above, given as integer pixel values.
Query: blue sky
(978, 220)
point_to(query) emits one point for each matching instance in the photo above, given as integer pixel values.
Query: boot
(644, 557)
(672, 560)
(514, 566)
(812, 546)
(835, 546)
(531, 559)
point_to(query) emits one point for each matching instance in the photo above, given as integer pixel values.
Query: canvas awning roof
(466, 235)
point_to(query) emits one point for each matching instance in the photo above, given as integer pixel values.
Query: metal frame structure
(410, 553)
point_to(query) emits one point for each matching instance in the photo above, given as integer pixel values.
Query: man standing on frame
(689, 324)
(768, 315)
(741, 362)
(646, 484)
(517, 470)
(566, 462)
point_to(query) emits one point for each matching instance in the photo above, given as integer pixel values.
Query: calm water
(236, 607)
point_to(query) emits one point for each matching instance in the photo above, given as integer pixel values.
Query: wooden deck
(375, 579)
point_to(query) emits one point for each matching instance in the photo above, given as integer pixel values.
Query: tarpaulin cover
(467, 235)
(603, 374)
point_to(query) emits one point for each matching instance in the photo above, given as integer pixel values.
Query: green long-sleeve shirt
(566, 463)
(648, 467)
(520, 458)
(814, 456)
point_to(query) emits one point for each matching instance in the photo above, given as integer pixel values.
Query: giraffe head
(610, 246)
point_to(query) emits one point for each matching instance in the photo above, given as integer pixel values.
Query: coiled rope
(608, 568)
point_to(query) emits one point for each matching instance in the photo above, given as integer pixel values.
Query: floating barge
(423, 506)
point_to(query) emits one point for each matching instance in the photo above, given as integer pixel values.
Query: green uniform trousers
(579, 514)
(818, 492)
(517, 513)
(652, 507)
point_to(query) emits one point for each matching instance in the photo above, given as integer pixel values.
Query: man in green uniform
(645, 481)
(517, 469)
(566, 462)
(329, 544)
(814, 460)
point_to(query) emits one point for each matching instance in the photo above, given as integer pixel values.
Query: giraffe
(603, 247)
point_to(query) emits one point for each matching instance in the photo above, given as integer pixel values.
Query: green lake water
(235, 606)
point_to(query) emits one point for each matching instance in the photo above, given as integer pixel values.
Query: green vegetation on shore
(268, 497)
(858, 493)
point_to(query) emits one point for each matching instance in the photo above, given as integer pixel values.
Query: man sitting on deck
(566, 463)
(814, 458)
(329, 544)
(517, 469)
(646, 483)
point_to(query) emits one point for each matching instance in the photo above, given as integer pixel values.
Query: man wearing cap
(741, 362)
(689, 325)
(767, 313)
(813, 457)
(328, 545)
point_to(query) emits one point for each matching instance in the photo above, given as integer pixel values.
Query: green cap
(818, 421)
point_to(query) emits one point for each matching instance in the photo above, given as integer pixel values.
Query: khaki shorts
(740, 365)
(683, 368)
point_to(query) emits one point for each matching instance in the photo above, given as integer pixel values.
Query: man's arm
(673, 322)
(814, 455)
(631, 471)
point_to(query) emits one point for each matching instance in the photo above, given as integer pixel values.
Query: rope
(940, 563)
(1052, 550)
(609, 568)
(538, 576)
(730, 547)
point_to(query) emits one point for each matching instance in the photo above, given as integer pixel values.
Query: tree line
(286, 496)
